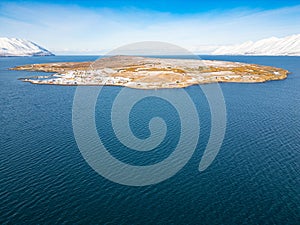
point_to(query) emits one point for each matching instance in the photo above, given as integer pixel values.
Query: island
(151, 73)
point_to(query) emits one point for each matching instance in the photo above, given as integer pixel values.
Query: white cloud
(72, 29)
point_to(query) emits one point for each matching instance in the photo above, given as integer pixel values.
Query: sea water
(254, 179)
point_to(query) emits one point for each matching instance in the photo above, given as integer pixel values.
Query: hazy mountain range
(289, 45)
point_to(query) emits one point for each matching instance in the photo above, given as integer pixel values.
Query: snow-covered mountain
(21, 47)
(289, 45)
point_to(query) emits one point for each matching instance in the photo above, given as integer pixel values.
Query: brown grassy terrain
(55, 67)
(158, 72)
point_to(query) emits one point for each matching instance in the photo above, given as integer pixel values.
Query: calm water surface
(255, 178)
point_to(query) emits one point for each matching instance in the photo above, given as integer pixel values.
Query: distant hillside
(21, 47)
(289, 45)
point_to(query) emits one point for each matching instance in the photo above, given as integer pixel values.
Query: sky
(96, 27)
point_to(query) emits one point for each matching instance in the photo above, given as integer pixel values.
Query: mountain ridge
(21, 47)
(273, 46)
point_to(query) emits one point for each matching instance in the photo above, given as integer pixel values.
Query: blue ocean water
(254, 179)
